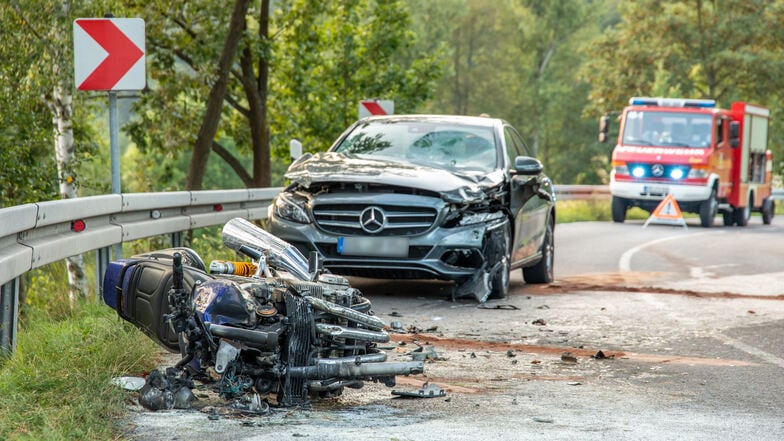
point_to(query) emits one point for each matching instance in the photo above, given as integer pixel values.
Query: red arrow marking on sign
(123, 54)
(374, 108)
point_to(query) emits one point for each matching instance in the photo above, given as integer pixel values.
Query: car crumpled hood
(337, 167)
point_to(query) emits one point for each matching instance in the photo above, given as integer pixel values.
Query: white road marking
(624, 263)
(751, 350)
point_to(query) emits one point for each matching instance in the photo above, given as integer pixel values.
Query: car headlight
(479, 218)
(290, 207)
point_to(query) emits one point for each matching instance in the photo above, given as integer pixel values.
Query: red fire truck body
(711, 160)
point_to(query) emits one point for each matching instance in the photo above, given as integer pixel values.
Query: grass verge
(57, 385)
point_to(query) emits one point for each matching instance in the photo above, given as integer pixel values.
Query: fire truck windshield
(667, 129)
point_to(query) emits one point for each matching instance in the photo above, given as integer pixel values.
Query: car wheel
(708, 209)
(542, 272)
(499, 279)
(618, 210)
(728, 217)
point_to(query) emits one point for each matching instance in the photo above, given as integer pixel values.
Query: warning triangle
(667, 212)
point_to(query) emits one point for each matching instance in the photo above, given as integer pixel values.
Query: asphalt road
(671, 333)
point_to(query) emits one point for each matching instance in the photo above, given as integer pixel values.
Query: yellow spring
(245, 269)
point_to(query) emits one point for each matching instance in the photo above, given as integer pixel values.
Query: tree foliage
(301, 67)
(728, 50)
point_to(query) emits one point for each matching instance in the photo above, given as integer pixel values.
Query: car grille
(398, 220)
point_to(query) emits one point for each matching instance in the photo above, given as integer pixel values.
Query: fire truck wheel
(618, 209)
(768, 211)
(742, 215)
(708, 209)
(728, 217)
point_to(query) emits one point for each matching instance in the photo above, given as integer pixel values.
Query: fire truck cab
(711, 160)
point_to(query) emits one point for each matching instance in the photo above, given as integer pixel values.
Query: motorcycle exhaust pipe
(351, 370)
(379, 357)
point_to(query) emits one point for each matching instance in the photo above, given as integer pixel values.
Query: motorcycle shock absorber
(245, 269)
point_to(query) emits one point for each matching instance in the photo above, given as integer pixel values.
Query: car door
(529, 206)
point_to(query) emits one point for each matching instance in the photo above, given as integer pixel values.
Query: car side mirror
(526, 165)
(734, 134)
(295, 149)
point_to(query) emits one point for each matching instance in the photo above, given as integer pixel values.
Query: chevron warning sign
(376, 107)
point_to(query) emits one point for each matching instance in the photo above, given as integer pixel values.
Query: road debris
(429, 390)
(568, 357)
(539, 322)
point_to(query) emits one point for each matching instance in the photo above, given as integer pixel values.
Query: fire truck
(710, 160)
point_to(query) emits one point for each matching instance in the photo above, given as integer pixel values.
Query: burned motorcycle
(277, 327)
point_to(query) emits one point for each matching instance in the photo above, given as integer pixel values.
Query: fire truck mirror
(734, 133)
(604, 128)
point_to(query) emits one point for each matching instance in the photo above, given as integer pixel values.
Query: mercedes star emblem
(372, 219)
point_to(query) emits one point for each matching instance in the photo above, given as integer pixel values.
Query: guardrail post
(9, 312)
(176, 239)
(102, 257)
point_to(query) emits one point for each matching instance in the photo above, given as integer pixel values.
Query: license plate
(373, 246)
(656, 191)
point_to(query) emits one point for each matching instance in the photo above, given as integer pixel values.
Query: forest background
(223, 97)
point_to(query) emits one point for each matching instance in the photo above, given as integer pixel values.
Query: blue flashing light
(672, 102)
(676, 173)
(638, 172)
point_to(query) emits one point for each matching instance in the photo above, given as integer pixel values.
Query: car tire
(708, 210)
(542, 272)
(618, 209)
(728, 217)
(499, 280)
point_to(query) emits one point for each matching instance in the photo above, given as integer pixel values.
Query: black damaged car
(455, 198)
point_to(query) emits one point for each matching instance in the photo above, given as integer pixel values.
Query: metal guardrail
(33, 235)
(587, 192)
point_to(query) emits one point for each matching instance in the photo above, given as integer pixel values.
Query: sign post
(109, 55)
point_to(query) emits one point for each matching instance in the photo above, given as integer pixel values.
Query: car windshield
(437, 144)
(668, 129)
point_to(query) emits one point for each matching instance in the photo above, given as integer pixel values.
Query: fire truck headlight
(621, 169)
(638, 172)
(676, 173)
(698, 173)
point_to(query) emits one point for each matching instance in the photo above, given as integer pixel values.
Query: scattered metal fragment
(543, 420)
(511, 353)
(574, 383)
(568, 357)
(505, 307)
(396, 326)
(422, 354)
(539, 322)
(428, 390)
(601, 356)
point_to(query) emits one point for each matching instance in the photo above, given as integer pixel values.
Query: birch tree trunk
(61, 106)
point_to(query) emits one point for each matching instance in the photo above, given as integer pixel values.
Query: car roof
(459, 119)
